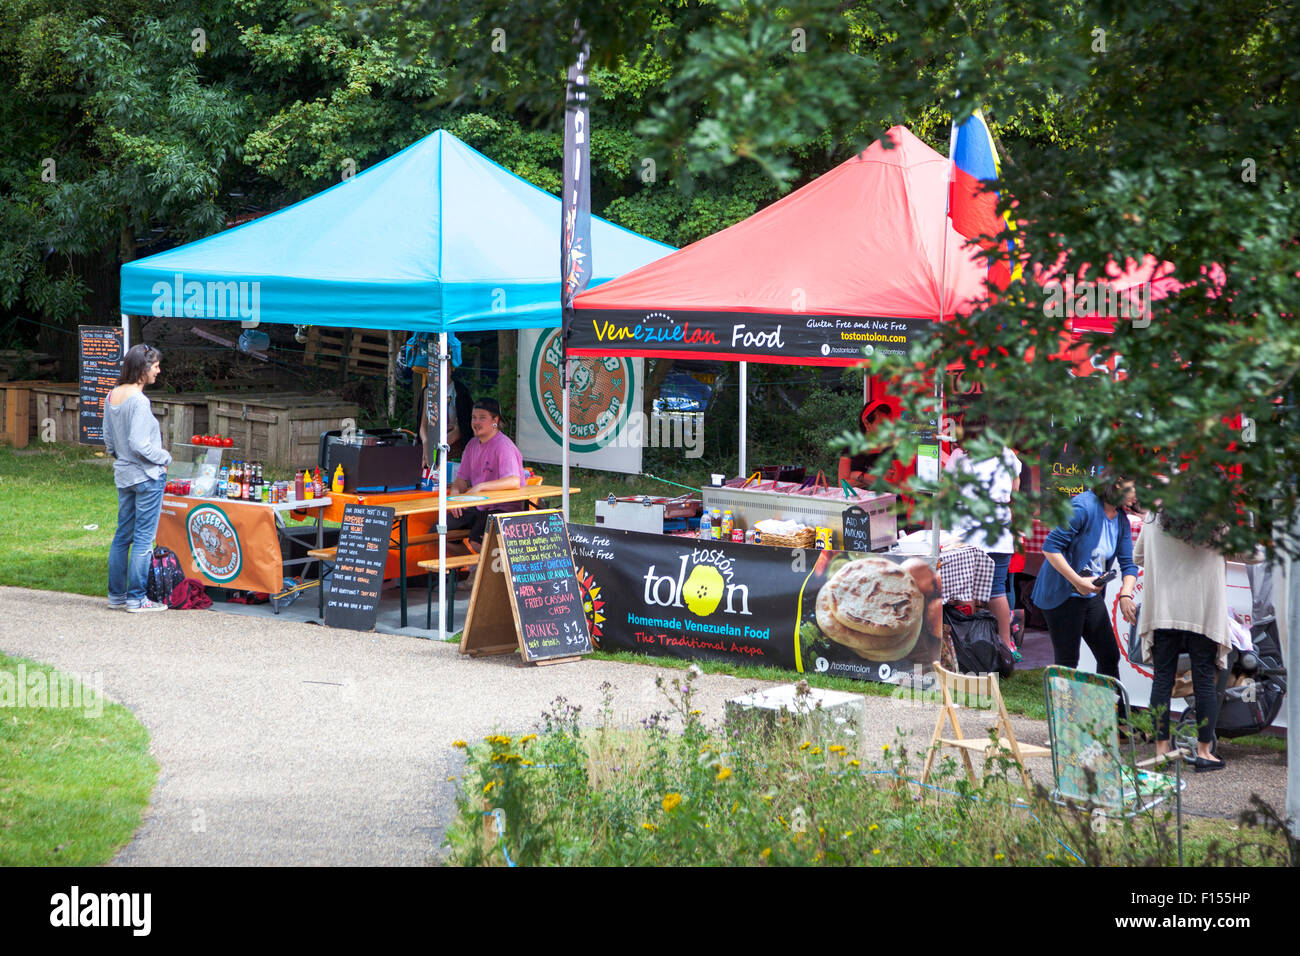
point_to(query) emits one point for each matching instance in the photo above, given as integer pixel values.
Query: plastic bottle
(717, 524)
(728, 523)
(337, 484)
(706, 525)
(298, 493)
(308, 485)
(320, 484)
(222, 477)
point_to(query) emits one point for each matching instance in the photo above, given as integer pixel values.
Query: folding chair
(1088, 767)
(981, 692)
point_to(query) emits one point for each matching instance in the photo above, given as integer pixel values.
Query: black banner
(101, 364)
(353, 599)
(575, 232)
(741, 336)
(863, 616)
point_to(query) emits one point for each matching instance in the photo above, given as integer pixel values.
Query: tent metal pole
(126, 332)
(744, 416)
(443, 450)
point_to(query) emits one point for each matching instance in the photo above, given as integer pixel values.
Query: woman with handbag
(1185, 608)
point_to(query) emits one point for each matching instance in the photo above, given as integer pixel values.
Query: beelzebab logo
(599, 395)
(214, 544)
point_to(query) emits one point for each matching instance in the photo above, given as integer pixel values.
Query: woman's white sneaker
(145, 605)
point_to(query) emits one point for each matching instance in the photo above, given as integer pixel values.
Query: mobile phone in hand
(1102, 580)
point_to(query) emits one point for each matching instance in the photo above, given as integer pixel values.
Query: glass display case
(200, 465)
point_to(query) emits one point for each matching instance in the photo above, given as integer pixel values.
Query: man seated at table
(492, 463)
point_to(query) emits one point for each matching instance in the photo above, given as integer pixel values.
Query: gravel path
(294, 744)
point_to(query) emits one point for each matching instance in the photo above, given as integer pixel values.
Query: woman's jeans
(138, 508)
(1167, 644)
(1080, 617)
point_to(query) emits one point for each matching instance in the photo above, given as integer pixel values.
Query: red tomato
(227, 442)
(196, 439)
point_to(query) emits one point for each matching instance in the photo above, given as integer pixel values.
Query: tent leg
(443, 450)
(744, 416)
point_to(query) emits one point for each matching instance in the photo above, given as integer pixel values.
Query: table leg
(320, 565)
(401, 567)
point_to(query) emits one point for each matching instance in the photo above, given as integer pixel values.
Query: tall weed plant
(673, 793)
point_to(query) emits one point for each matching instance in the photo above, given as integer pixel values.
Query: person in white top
(994, 480)
(1184, 608)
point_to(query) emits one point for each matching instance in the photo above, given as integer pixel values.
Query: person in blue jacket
(1096, 536)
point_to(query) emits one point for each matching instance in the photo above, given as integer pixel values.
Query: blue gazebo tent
(437, 238)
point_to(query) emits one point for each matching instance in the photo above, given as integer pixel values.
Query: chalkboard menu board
(353, 599)
(101, 364)
(857, 529)
(530, 572)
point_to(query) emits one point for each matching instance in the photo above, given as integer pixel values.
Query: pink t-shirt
(487, 461)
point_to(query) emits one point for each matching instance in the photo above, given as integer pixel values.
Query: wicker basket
(802, 539)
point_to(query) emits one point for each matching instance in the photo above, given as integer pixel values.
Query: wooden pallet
(361, 351)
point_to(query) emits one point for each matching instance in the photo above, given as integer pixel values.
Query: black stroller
(1251, 691)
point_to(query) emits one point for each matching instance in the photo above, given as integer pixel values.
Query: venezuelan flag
(972, 208)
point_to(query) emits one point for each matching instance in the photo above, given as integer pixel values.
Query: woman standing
(491, 462)
(133, 439)
(1097, 535)
(1185, 608)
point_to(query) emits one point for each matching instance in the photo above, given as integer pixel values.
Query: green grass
(50, 496)
(73, 785)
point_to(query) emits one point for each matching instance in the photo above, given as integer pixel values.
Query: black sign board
(101, 364)
(530, 571)
(857, 529)
(353, 599)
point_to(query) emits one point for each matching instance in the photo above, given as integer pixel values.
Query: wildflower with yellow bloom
(671, 802)
(724, 773)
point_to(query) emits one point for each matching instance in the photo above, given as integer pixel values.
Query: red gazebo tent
(864, 255)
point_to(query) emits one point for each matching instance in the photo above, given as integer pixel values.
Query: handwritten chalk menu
(857, 529)
(353, 599)
(527, 591)
(101, 364)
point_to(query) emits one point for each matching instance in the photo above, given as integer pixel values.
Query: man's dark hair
(489, 405)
